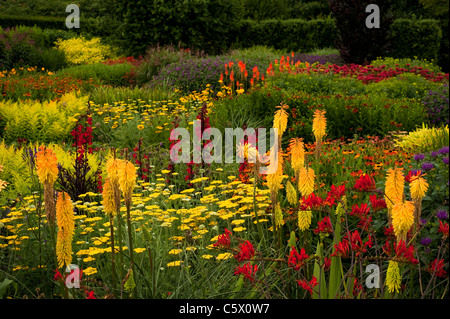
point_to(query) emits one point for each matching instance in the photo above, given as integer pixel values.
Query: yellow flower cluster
(78, 50)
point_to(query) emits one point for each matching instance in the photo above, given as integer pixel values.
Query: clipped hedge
(9, 21)
(294, 34)
(421, 38)
(408, 37)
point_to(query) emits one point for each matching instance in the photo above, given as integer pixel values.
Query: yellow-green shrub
(425, 139)
(81, 51)
(43, 122)
(14, 172)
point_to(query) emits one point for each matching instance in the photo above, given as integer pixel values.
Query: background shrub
(99, 73)
(404, 35)
(437, 105)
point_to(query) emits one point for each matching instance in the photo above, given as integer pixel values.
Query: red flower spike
(295, 259)
(246, 251)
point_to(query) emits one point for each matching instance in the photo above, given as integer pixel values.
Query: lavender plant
(437, 105)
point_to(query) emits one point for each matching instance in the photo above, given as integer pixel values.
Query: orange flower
(319, 124)
(47, 166)
(66, 225)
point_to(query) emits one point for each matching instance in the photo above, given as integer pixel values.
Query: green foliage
(14, 172)
(208, 24)
(44, 122)
(415, 38)
(99, 72)
(266, 9)
(290, 35)
(108, 94)
(406, 85)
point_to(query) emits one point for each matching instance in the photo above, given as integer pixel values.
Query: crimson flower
(326, 263)
(365, 183)
(377, 204)
(324, 226)
(443, 228)
(341, 249)
(308, 285)
(437, 267)
(246, 251)
(337, 191)
(313, 201)
(57, 275)
(295, 260)
(223, 241)
(404, 253)
(247, 270)
(90, 294)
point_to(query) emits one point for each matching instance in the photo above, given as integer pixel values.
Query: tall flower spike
(108, 198)
(304, 219)
(47, 170)
(306, 181)
(297, 151)
(418, 188)
(291, 193)
(66, 225)
(402, 218)
(274, 180)
(393, 277)
(47, 166)
(281, 119)
(395, 183)
(319, 124)
(278, 217)
(127, 180)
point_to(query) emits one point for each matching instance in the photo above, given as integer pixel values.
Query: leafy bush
(190, 75)
(43, 122)
(208, 24)
(155, 59)
(99, 73)
(14, 172)
(82, 51)
(437, 105)
(291, 35)
(406, 85)
(415, 38)
(424, 139)
(17, 49)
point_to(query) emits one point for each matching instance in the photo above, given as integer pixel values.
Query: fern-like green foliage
(44, 122)
(15, 173)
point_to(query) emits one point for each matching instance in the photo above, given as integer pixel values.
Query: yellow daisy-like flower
(402, 218)
(140, 127)
(66, 225)
(319, 124)
(393, 277)
(304, 219)
(306, 181)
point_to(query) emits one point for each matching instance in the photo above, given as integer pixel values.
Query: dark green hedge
(421, 38)
(292, 35)
(408, 37)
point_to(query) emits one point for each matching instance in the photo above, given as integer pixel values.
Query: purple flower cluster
(437, 105)
(321, 59)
